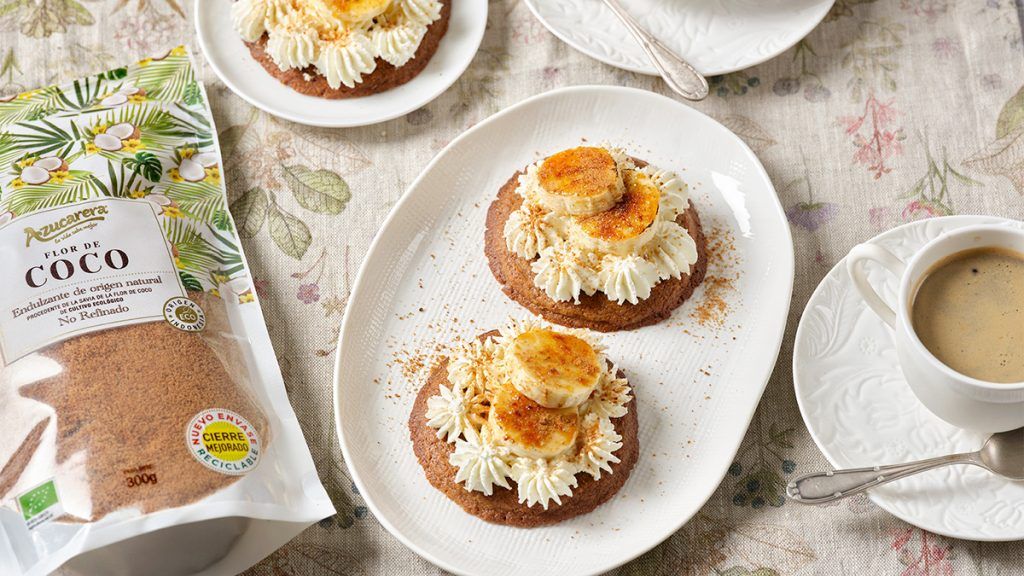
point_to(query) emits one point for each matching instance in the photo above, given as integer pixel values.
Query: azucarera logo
(66, 225)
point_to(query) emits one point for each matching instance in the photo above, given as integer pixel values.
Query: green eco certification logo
(40, 504)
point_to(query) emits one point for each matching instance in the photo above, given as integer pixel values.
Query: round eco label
(184, 314)
(223, 441)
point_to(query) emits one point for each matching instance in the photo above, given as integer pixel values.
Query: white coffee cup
(956, 398)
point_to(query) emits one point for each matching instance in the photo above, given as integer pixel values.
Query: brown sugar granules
(122, 401)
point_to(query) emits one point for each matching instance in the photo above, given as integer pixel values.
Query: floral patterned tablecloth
(890, 111)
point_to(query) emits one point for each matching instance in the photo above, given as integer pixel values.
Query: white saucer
(861, 412)
(230, 59)
(716, 36)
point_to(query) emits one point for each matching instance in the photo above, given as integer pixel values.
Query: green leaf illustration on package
(139, 132)
(146, 164)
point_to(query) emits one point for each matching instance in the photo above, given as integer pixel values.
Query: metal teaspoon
(677, 73)
(1002, 454)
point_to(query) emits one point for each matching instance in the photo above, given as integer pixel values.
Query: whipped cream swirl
(627, 278)
(248, 17)
(541, 481)
(611, 396)
(448, 412)
(528, 185)
(420, 11)
(396, 42)
(600, 441)
(251, 18)
(672, 251)
(564, 273)
(295, 43)
(344, 60)
(529, 230)
(675, 194)
(481, 462)
(472, 365)
(568, 263)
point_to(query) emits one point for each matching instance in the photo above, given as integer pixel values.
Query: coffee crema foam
(968, 311)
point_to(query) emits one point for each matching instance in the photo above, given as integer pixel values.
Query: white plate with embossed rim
(425, 282)
(715, 36)
(231, 61)
(861, 412)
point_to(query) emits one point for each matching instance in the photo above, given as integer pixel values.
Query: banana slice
(356, 10)
(580, 181)
(627, 226)
(553, 369)
(529, 429)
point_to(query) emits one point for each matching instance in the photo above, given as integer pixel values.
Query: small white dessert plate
(425, 284)
(230, 59)
(861, 412)
(715, 36)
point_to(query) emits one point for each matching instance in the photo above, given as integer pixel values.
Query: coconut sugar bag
(144, 426)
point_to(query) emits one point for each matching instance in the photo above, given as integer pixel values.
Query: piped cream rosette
(596, 222)
(533, 405)
(341, 38)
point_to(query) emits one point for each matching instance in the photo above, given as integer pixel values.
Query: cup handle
(855, 266)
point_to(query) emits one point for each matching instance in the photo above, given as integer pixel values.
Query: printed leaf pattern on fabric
(761, 466)
(844, 8)
(290, 234)
(1005, 155)
(250, 211)
(872, 58)
(1011, 116)
(41, 18)
(931, 195)
(749, 130)
(317, 190)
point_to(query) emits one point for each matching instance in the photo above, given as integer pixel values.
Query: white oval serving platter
(425, 283)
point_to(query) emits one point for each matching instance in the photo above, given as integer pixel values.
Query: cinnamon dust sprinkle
(413, 367)
(720, 280)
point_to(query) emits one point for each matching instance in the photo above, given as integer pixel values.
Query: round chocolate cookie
(503, 507)
(386, 76)
(596, 311)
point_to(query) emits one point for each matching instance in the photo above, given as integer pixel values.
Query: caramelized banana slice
(356, 10)
(624, 228)
(529, 429)
(553, 369)
(580, 181)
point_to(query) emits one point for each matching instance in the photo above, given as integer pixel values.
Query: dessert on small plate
(527, 425)
(861, 411)
(593, 238)
(339, 63)
(342, 48)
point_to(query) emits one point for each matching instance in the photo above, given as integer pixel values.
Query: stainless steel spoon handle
(823, 487)
(678, 73)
